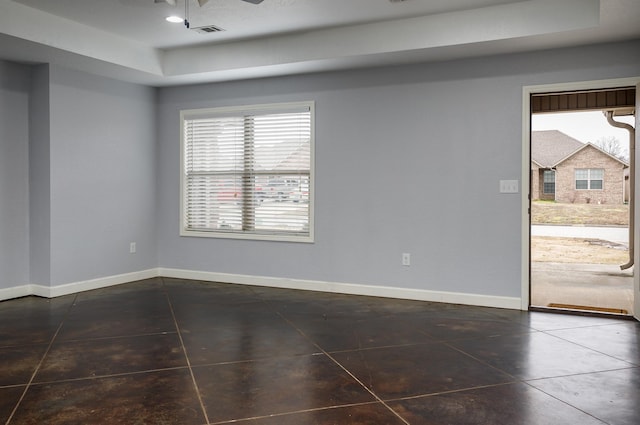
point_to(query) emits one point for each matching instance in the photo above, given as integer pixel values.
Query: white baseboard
(103, 282)
(347, 288)
(15, 292)
(75, 287)
(273, 282)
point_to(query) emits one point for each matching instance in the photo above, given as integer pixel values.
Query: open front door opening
(581, 191)
(636, 278)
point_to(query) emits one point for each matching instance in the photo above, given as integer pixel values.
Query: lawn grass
(576, 250)
(546, 212)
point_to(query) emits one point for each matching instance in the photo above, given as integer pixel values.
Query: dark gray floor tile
(103, 318)
(123, 303)
(110, 356)
(8, 400)
(405, 371)
(183, 293)
(448, 329)
(17, 364)
(321, 304)
(337, 332)
(117, 358)
(191, 318)
(275, 386)
(386, 306)
(31, 320)
(367, 414)
(499, 405)
(550, 321)
(141, 288)
(253, 341)
(455, 311)
(620, 340)
(613, 396)
(33, 306)
(537, 355)
(163, 397)
(543, 321)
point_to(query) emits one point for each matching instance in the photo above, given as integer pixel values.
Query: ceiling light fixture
(176, 19)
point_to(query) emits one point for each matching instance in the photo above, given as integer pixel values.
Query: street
(607, 233)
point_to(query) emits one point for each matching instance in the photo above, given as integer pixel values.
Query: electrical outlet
(132, 248)
(406, 259)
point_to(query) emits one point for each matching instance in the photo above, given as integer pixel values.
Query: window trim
(237, 110)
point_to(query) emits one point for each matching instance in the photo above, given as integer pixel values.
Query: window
(247, 172)
(589, 178)
(549, 182)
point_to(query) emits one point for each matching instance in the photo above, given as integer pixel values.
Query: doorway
(579, 201)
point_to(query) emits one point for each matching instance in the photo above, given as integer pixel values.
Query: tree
(612, 146)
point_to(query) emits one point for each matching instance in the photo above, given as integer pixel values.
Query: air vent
(207, 29)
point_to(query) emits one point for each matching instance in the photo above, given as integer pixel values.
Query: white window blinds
(247, 172)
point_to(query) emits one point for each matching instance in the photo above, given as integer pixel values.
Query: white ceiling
(130, 39)
(144, 20)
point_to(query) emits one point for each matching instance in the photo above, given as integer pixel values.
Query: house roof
(551, 147)
(298, 159)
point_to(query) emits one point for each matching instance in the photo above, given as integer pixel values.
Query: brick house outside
(566, 170)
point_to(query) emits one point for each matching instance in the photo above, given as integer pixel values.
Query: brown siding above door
(620, 98)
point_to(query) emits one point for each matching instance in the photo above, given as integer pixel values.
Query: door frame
(636, 245)
(527, 91)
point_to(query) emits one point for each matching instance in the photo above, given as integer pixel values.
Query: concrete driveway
(592, 285)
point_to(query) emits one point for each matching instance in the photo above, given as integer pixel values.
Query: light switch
(508, 186)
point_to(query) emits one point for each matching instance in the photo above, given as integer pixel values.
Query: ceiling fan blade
(170, 2)
(253, 1)
(202, 2)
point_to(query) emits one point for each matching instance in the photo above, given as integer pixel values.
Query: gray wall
(14, 175)
(408, 159)
(39, 177)
(77, 176)
(102, 165)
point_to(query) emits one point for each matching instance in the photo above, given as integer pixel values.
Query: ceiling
(132, 41)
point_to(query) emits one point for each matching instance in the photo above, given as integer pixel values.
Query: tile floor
(169, 351)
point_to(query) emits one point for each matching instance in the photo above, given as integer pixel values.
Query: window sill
(247, 236)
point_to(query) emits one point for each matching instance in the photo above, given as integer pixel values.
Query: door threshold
(583, 311)
(589, 308)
